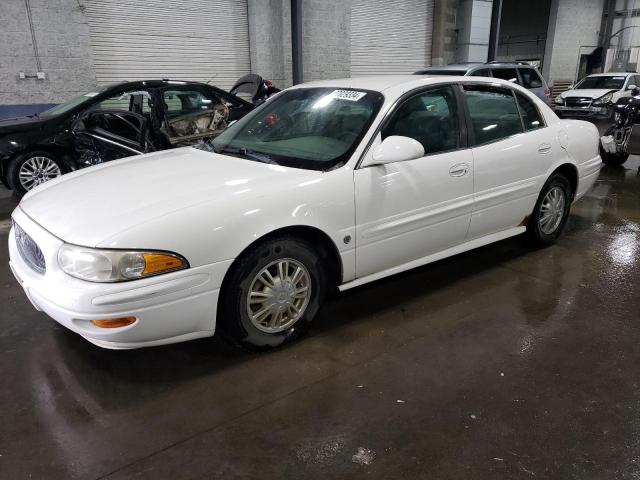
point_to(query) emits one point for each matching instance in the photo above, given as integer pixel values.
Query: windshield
(68, 105)
(601, 82)
(312, 128)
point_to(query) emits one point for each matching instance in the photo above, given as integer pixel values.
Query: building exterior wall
(326, 33)
(523, 30)
(64, 54)
(267, 27)
(474, 26)
(574, 26)
(445, 32)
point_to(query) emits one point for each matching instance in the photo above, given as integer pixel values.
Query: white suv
(592, 96)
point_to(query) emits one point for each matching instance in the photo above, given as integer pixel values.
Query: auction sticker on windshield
(351, 95)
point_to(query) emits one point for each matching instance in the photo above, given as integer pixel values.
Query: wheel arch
(327, 249)
(570, 172)
(58, 152)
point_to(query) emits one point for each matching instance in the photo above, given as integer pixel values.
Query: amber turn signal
(114, 322)
(157, 262)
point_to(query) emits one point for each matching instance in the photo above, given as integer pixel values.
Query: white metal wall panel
(199, 40)
(390, 36)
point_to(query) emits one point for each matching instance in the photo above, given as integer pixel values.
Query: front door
(408, 210)
(105, 135)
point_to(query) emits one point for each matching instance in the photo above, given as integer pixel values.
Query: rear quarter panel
(581, 140)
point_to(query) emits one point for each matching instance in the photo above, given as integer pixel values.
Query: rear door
(511, 154)
(192, 113)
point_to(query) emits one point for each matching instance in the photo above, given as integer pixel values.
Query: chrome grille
(29, 250)
(578, 102)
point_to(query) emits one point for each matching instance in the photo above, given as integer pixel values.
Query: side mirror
(396, 149)
(631, 86)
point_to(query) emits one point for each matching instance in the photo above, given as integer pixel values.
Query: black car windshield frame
(315, 128)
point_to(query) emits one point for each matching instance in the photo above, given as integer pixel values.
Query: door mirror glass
(631, 86)
(397, 148)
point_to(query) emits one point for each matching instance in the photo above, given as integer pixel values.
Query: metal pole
(494, 32)
(296, 41)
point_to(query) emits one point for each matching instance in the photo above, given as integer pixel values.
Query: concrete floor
(504, 362)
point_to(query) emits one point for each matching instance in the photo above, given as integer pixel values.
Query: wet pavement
(504, 362)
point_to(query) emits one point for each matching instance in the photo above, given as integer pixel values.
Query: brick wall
(62, 39)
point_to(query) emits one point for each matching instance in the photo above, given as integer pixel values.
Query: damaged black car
(119, 121)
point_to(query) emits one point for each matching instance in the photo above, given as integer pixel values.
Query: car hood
(587, 92)
(94, 204)
(12, 125)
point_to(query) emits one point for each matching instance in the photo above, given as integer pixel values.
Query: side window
(530, 115)
(509, 74)
(484, 72)
(185, 102)
(137, 102)
(494, 114)
(429, 117)
(635, 81)
(530, 78)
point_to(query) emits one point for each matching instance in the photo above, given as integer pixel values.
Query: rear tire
(30, 169)
(551, 211)
(248, 291)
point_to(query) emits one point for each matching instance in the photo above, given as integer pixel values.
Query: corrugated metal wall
(390, 36)
(187, 40)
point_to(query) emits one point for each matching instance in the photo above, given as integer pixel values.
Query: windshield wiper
(246, 153)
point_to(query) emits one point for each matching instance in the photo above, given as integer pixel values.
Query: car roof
(475, 65)
(154, 83)
(382, 83)
(612, 74)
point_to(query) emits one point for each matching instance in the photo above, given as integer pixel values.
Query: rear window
(508, 74)
(530, 78)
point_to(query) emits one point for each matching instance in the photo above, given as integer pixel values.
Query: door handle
(459, 170)
(544, 147)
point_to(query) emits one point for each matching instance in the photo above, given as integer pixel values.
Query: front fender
(220, 230)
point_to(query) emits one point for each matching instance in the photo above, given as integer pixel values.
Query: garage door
(390, 36)
(196, 40)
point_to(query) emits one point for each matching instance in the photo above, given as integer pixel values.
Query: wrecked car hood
(12, 125)
(587, 92)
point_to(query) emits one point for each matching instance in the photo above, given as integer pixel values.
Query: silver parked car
(518, 72)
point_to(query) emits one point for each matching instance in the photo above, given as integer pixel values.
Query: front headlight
(558, 100)
(97, 265)
(606, 98)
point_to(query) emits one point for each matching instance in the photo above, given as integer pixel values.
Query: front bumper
(169, 308)
(582, 112)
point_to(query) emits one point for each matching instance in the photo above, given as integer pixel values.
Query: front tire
(30, 169)
(272, 294)
(551, 211)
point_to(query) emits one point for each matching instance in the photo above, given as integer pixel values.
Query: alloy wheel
(38, 170)
(552, 210)
(279, 295)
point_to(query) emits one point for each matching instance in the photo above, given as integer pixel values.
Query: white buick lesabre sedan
(332, 183)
